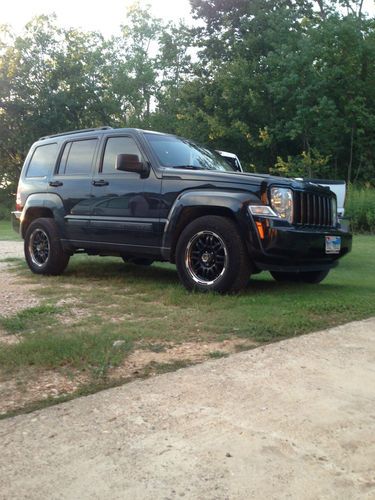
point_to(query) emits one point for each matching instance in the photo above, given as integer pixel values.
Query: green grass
(7, 232)
(100, 300)
(217, 354)
(20, 322)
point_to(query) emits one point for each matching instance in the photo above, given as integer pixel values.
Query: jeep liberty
(147, 196)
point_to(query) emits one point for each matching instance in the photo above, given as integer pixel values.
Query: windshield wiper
(189, 167)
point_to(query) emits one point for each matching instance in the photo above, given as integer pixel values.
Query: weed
(160, 368)
(218, 354)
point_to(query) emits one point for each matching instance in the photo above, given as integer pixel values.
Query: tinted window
(77, 157)
(116, 146)
(42, 161)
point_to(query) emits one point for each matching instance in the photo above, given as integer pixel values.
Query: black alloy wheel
(44, 253)
(39, 247)
(206, 257)
(211, 256)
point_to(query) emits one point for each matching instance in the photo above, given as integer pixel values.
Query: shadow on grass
(270, 285)
(164, 274)
(113, 270)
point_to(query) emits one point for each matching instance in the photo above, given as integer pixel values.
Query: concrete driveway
(291, 420)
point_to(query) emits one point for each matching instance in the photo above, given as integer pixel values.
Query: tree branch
(323, 14)
(360, 8)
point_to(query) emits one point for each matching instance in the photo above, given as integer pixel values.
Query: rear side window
(77, 157)
(42, 161)
(116, 146)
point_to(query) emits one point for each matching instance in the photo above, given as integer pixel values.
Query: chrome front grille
(312, 209)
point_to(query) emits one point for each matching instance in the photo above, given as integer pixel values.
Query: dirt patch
(30, 386)
(9, 339)
(76, 314)
(15, 294)
(194, 352)
(11, 249)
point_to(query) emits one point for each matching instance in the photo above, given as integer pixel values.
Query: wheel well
(192, 213)
(35, 213)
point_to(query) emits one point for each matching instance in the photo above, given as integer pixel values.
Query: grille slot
(312, 209)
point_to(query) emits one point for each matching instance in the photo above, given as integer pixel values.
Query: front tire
(211, 256)
(44, 253)
(312, 277)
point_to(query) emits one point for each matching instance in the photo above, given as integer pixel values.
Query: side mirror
(131, 163)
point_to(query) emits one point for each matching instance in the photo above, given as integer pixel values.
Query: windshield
(175, 152)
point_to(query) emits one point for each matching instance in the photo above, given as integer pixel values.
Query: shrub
(4, 212)
(360, 206)
(307, 164)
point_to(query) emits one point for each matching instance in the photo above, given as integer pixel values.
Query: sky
(104, 16)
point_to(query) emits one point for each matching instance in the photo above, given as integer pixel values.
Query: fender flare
(232, 201)
(50, 201)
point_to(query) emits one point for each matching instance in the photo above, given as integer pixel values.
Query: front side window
(42, 161)
(180, 153)
(77, 157)
(116, 146)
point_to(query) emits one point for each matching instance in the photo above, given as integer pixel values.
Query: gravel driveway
(14, 296)
(10, 249)
(291, 420)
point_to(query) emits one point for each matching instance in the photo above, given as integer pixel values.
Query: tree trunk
(351, 154)
(360, 8)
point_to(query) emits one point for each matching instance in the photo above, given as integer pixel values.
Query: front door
(122, 215)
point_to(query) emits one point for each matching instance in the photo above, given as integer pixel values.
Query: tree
(50, 80)
(292, 78)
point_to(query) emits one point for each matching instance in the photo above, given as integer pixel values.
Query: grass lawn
(99, 301)
(7, 232)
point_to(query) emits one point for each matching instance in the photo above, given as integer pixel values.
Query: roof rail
(72, 132)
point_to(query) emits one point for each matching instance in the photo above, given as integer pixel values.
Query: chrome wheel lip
(39, 248)
(188, 258)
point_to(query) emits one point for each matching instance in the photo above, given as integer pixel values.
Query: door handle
(101, 182)
(55, 183)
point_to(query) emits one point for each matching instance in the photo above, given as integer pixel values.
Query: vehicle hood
(240, 179)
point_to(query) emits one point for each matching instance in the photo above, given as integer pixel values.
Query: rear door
(72, 182)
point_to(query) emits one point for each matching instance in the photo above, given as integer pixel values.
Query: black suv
(146, 196)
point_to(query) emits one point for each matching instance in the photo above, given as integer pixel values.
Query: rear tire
(211, 256)
(44, 253)
(313, 277)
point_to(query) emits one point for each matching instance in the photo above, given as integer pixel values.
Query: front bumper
(289, 248)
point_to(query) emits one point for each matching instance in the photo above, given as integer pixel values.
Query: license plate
(333, 244)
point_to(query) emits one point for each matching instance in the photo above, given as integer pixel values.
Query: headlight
(282, 202)
(334, 211)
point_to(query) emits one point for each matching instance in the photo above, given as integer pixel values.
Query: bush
(360, 206)
(7, 201)
(307, 164)
(4, 212)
